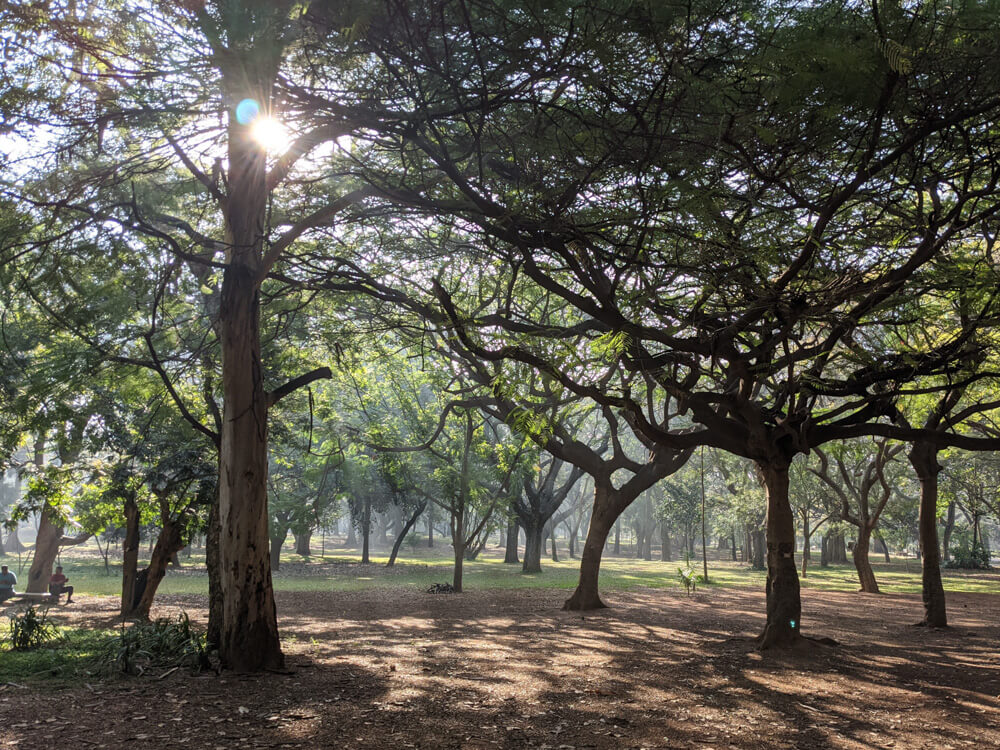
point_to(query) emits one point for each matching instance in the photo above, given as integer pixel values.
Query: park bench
(38, 598)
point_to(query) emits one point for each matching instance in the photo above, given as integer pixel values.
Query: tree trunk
(923, 458)
(249, 635)
(302, 542)
(510, 552)
(46, 550)
(533, 543)
(552, 536)
(167, 544)
(402, 534)
(806, 554)
(130, 556)
(759, 545)
(587, 596)
(883, 545)
(784, 606)
(949, 527)
(430, 527)
(732, 548)
(456, 578)
(213, 636)
(277, 542)
(571, 542)
(366, 529)
(665, 551)
(862, 564)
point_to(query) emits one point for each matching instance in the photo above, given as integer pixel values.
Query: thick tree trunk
(302, 542)
(923, 458)
(784, 606)
(46, 550)
(402, 534)
(130, 556)
(167, 544)
(665, 551)
(510, 551)
(249, 634)
(759, 545)
(456, 578)
(866, 576)
(277, 542)
(587, 596)
(533, 543)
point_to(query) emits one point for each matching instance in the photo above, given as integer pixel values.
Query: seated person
(7, 583)
(57, 585)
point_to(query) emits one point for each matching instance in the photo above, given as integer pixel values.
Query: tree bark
(366, 529)
(130, 556)
(213, 635)
(46, 550)
(249, 634)
(784, 606)
(532, 548)
(923, 458)
(302, 542)
(949, 527)
(665, 551)
(552, 536)
(510, 551)
(866, 576)
(402, 534)
(759, 544)
(587, 596)
(167, 544)
(277, 542)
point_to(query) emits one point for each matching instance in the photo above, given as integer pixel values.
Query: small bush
(689, 580)
(162, 643)
(969, 556)
(30, 630)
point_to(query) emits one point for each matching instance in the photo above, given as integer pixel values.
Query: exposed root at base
(574, 605)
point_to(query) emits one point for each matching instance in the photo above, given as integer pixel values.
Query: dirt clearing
(400, 669)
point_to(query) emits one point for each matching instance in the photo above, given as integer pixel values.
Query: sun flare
(270, 134)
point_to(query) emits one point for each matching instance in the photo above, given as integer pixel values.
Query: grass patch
(76, 655)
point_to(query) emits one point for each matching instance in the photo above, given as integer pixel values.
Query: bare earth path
(507, 669)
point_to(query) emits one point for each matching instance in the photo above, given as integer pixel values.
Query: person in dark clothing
(57, 585)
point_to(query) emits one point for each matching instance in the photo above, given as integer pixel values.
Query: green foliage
(162, 643)
(689, 579)
(30, 630)
(969, 555)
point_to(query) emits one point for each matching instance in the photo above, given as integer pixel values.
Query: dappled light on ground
(509, 669)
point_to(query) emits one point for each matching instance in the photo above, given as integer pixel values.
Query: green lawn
(421, 567)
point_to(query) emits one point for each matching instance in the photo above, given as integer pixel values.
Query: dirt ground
(507, 669)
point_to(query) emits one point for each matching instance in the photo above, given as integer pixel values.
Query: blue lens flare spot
(246, 111)
(792, 623)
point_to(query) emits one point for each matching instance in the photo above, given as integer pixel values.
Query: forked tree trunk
(510, 549)
(587, 596)
(866, 576)
(784, 606)
(130, 556)
(923, 458)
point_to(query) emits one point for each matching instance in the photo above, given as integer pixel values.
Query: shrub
(969, 556)
(162, 643)
(30, 630)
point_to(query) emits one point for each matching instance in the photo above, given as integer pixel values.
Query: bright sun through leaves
(270, 134)
(266, 131)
